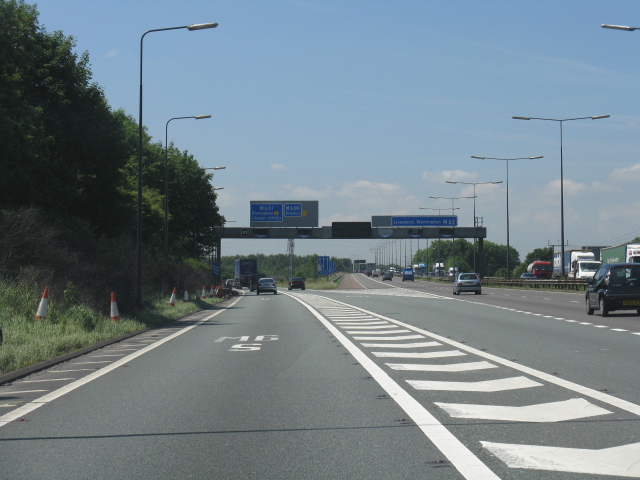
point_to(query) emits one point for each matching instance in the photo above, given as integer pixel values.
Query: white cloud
(278, 166)
(112, 53)
(628, 174)
(570, 187)
(450, 175)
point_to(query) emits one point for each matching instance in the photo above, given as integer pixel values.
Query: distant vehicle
(528, 276)
(627, 253)
(615, 286)
(266, 284)
(467, 282)
(253, 280)
(453, 271)
(244, 268)
(387, 276)
(573, 263)
(296, 282)
(230, 283)
(540, 269)
(438, 269)
(407, 274)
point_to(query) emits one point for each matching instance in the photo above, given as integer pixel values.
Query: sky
(370, 106)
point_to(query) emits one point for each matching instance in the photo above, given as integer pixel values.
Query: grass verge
(69, 325)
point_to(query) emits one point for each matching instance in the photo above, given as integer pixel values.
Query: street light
(453, 238)
(507, 160)
(138, 302)
(475, 220)
(166, 180)
(620, 27)
(561, 121)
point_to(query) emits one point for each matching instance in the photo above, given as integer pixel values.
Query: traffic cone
(172, 300)
(211, 292)
(203, 293)
(115, 315)
(44, 305)
(185, 297)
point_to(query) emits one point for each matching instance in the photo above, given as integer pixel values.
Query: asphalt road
(397, 380)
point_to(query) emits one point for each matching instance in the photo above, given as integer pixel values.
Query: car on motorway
(467, 282)
(266, 284)
(407, 274)
(527, 276)
(387, 276)
(296, 282)
(614, 286)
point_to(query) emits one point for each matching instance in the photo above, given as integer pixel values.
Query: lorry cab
(407, 274)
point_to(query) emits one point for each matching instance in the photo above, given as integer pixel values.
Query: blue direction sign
(324, 265)
(266, 212)
(425, 221)
(215, 269)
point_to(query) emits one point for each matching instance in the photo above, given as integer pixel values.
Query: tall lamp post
(561, 121)
(475, 223)
(453, 238)
(138, 302)
(507, 160)
(166, 179)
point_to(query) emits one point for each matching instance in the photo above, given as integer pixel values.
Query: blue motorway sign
(266, 212)
(425, 221)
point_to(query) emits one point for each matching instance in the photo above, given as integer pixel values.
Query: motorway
(389, 380)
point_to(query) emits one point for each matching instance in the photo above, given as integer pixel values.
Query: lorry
(438, 269)
(625, 253)
(578, 264)
(540, 269)
(245, 267)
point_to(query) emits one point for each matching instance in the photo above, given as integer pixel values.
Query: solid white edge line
(459, 455)
(588, 392)
(33, 405)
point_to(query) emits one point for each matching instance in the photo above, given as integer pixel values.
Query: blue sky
(369, 106)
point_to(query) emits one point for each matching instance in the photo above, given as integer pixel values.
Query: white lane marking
(460, 456)
(377, 332)
(544, 412)
(35, 404)
(400, 345)
(451, 367)
(550, 378)
(346, 324)
(622, 461)
(401, 337)
(500, 385)
(448, 353)
(378, 328)
(619, 330)
(22, 391)
(91, 363)
(69, 371)
(44, 380)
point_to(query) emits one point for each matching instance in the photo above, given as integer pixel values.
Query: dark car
(615, 286)
(528, 276)
(296, 282)
(387, 276)
(266, 285)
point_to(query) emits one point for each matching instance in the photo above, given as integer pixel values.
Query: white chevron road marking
(544, 412)
(500, 385)
(451, 367)
(399, 337)
(623, 461)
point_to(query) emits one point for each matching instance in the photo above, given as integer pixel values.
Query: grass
(69, 325)
(317, 284)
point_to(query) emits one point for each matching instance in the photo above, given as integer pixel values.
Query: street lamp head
(201, 26)
(215, 168)
(479, 158)
(521, 118)
(596, 117)
(200, 117)
(619, 27)
(535, 158)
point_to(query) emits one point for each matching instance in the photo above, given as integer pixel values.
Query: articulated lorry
(626, 253)
(245, 268)
(578, 264)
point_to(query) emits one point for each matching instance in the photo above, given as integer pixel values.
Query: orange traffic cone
(211, 292)
(115, 315)
(185, 297)
(44, 305)
(172, 300)
(203, 294)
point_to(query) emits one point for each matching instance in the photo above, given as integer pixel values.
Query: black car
(615, 286)
(296, 282)
(387, 276)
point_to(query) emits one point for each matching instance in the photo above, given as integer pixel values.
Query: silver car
(266, 285)
(467, 282)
